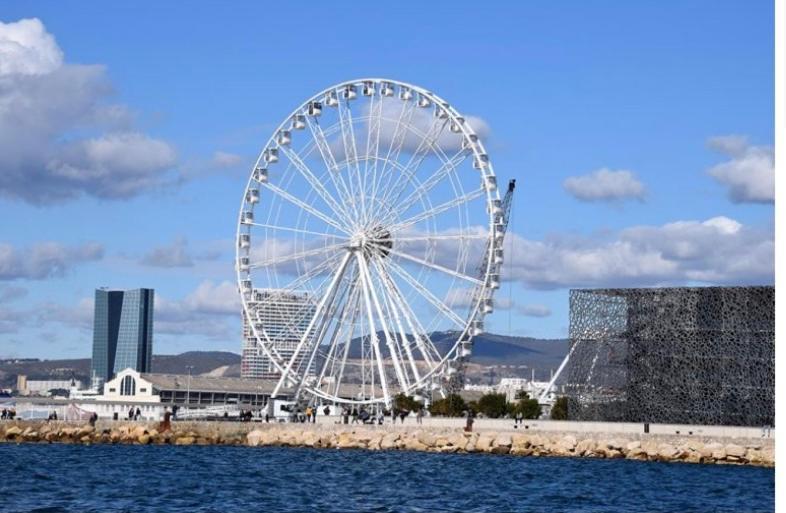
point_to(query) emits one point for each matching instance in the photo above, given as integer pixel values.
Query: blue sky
(639, 133)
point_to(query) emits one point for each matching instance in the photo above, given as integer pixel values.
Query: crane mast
(493, 265)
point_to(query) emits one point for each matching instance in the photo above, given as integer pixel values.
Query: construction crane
(501, 219)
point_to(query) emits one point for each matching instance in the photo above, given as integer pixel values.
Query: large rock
(185, 440)
(667, 452)
(485, 441)
(13, 432)
(253, 438)
(735, 450)
(427, 439)
(389, 441)
(502, 444)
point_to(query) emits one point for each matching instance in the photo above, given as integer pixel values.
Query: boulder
(735, 450)
(459, 441)
(253, 438)
(568, 442)
(637, 453)
(584, 447)
(707, 449)
(12, 432)
(185, 440)
(667, 452)
(485, 441)
(389, 441)
(144, 439)
(633, 445)
(427, 439)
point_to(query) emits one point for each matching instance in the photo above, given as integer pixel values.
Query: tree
(451, 406)
(493, 405)
(406, 402)
(529, 408)
(560, 409)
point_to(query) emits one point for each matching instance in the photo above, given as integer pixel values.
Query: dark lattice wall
(672, 355)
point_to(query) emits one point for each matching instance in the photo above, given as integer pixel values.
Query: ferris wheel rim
(477, 149)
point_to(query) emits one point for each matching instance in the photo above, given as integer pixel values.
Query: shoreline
(642, 447)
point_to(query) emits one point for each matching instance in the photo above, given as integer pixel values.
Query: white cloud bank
(749, 172)
(715, 251)
(47, 108)
(605, 185)
(45, 259)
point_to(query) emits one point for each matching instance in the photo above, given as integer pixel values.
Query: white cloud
(44, 260)
(749, 174)
(202, 312)
(45, 106)
(605, 185)
(222, 159)
(174, 255)
(534, 310)
(26, 48)
(716, 251)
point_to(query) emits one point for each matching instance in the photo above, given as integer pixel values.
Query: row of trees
(490, 405)
(496, 406)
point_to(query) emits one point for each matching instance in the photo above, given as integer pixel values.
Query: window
(142, 390)
(128, 386)
(112, 390)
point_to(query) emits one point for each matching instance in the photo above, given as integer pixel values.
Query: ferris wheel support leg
(365, 283)
(394, 355)
(545, 394)
(317, 313)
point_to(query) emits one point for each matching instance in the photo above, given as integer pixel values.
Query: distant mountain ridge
(489, 350)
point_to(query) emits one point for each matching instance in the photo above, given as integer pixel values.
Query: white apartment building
(284, 317)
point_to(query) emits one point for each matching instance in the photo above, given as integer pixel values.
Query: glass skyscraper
(122, 332)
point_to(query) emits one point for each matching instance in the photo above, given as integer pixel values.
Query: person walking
(138, 413)
(419, 416)
(309, 412)
(354, 415)
(131, 413)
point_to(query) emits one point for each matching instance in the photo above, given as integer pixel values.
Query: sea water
(49, 478)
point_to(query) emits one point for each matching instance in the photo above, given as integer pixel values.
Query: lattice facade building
(284, 316)
(690, 355)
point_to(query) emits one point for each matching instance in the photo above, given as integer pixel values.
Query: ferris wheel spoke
(330, 161)
(433, 180)
(316, 184)
(426, 263)
(435, 238)
(295, 256)
(422, 340)
(431, 298)
(305, 206)
(396, 144)
(366, 286)
(411, 167)
(297, 230)
(350, 144)
(317, 313)
(443, 207)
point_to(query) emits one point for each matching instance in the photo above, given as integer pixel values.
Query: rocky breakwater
(519, 444)
(139, 433)
(440, 440)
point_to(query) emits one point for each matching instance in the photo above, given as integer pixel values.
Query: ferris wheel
(369, 244)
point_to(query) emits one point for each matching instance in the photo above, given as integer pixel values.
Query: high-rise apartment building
(284, 317)
(122, 332)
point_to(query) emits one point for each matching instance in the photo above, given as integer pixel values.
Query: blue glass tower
(122, 332)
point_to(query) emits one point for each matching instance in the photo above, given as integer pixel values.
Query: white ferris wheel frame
(445, 365)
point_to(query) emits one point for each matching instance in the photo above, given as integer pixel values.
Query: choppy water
(164, 478)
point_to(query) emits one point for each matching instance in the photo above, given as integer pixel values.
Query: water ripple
(64, 478)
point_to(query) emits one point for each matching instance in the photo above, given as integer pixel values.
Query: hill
(518, 354)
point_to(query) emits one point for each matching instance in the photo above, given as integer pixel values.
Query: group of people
(362, 416)
(8, 414)
(134, 414)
